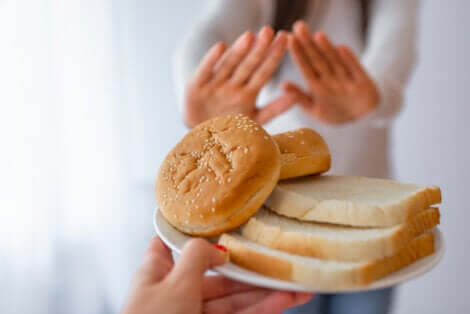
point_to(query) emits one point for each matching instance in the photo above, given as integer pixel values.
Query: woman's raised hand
(228, 81)
(161, 286)
(340, 90)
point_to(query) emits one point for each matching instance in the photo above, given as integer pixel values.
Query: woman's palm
(228, 81)
(339, 88)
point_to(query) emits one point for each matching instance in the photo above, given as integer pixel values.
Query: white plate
(176, 240)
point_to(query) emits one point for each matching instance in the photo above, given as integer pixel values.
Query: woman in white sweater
(348, 64)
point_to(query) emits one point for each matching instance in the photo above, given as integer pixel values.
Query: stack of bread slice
(333, 232)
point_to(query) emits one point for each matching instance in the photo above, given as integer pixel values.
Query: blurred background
(88, 112)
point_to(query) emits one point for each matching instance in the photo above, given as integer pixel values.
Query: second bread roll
(303, 152)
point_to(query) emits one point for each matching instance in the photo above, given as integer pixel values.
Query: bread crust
(325, 274)
(336, 248)
(217, 176)
(286, 201)
(303, 152)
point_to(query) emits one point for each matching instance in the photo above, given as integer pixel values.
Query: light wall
(432, 146)
(431, 137)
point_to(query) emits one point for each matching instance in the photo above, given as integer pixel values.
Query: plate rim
(237, 273)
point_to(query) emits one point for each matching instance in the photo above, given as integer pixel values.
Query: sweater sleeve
(224, 20)
(390, 53)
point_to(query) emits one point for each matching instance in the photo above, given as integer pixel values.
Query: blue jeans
(370, 302)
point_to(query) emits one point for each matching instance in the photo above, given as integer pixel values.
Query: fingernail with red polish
(220, 247)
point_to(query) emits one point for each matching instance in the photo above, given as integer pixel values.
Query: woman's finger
(277, 302)
(275, 108)
(219, 286)
(206, 68)
(317, 60)
(301, 98)
(329, 51)
(301, 59)
(267, 68)
(352, 63)
(236, 302)
(198, 255)
(157, 263)
(255, 57)
(233, 57)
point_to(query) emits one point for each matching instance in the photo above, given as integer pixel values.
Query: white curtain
(74, 212)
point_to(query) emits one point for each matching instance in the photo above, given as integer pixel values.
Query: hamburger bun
(303, 152)
(217, 176)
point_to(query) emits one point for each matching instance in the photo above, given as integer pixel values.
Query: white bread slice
(320, 274)
(354, 201)
(335, 242)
